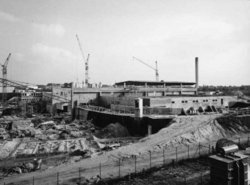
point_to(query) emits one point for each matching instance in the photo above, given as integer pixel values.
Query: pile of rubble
(43, 128)
(54, 139)
(23, 168)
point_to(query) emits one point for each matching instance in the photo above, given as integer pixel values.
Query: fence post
(188, 152)
(57, 178)
(79, 174)
(163, 156)
(239, 141)
(135, 164)
(149, 159)
(209, 149)
(33, 180)
(176, 155)
(100, 170)
(119, 171)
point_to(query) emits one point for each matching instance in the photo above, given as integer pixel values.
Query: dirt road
(70, 173)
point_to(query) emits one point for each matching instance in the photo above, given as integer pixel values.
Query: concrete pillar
(149, 130)
(138, 108)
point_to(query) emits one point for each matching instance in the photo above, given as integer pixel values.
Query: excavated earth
(190, 130)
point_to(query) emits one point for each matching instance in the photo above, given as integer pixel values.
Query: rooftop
(142, 83)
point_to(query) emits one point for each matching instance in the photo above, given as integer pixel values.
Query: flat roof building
(154, 83)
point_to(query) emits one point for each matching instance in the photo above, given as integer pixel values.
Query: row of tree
(227, 90)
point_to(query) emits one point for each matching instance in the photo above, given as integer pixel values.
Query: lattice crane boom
(155, 69)
(4, 70)
(86, 61)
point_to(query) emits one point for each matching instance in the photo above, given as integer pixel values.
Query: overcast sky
(41, 37)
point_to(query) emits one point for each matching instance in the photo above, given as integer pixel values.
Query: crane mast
(155, 69)
(4, 70)
(156, 72)
(86, 62)
(87, 70)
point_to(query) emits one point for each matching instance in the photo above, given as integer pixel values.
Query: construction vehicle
(155, 69)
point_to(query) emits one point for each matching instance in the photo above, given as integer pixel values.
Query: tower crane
(155, 69)
(86, 61)
(4, 70)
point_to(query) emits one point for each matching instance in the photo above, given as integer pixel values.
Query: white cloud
(195, 27)
(9, 17)
(53, 53)
(45, 29)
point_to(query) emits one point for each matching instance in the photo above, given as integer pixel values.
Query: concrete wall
(85, 97)
(173, 102)
(195, 102)
(106, 101)
(61, 95)
(135, 127)
(158, 102)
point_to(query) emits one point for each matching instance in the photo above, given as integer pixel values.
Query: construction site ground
(191, 172)
(186, 137)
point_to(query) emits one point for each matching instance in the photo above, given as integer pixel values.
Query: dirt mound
(235, 124)
(113, 130)
(184, 130)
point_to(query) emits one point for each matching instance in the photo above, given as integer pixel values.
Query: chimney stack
(197, 74)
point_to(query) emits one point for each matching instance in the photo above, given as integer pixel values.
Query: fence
(131, 165)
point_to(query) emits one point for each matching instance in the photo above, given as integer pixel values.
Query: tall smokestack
(197, 73)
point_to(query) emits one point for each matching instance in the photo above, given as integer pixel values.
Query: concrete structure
(138, 108)
(154, 88)
(155, 95)
(174, 104)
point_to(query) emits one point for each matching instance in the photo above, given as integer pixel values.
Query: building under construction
(177, 97)
(137, 103)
